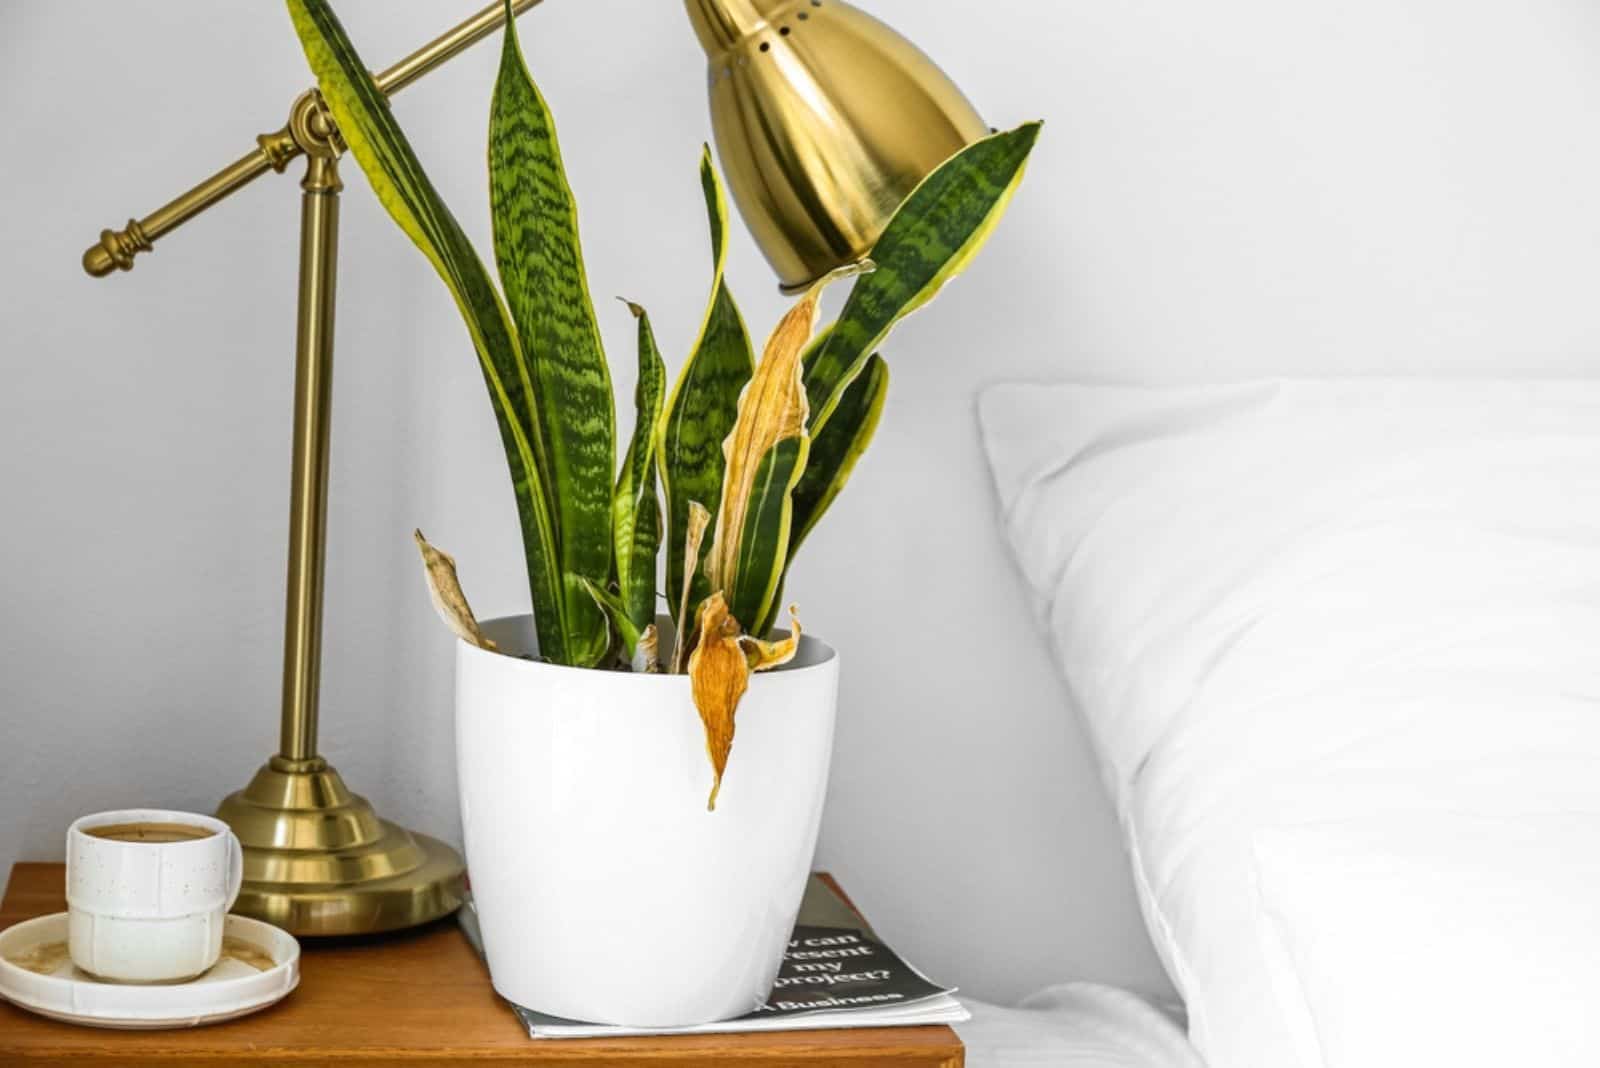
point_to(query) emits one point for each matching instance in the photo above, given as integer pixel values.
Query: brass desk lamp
(825, 119)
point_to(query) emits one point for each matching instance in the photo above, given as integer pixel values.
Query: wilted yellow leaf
(772, 408)
(448, 600)
(719, 674)
(762, 656)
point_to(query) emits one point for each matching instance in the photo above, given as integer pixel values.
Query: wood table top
(414, 998)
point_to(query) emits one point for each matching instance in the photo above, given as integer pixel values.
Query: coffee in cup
(149, 832)
(148, 892)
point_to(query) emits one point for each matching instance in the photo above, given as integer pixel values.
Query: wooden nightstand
(417, 998)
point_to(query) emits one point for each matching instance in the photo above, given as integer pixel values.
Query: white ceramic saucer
(260, 964)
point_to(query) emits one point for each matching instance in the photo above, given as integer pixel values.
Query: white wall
(1241, 187)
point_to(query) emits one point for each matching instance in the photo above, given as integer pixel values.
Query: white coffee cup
(147, 893)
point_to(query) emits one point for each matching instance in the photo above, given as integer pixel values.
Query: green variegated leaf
(833, 456)
(541, 269)
(835, 450)
(764, 542)
(397, 177)
(635, 507)
(932, 237)
(617, 613)
(704, 402)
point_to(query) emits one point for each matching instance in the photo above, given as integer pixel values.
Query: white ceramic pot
(605, 890)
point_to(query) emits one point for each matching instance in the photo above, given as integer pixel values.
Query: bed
(1336, 644)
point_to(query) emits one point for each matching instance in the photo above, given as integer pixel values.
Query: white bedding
(1075, 1025)
(1338, 644)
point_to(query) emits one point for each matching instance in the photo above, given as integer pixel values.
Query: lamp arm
(274, 151)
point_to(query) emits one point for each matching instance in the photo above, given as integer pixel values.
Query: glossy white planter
(605, 890)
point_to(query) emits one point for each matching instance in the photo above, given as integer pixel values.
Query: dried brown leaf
(647, 654)
(448, 600)
(719, 674)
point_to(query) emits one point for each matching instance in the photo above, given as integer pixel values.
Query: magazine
(835, 973)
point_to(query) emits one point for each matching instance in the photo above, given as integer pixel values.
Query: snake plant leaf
(541, 270)
(840, 444)
(765, 455)
(932, 237)
(719, 674)
(763, 543)
(833, 455)
(617, 612)
(764, 656)
(699, 520)
(402, 187)
(439, 567)
(704, 402)
(635, 506)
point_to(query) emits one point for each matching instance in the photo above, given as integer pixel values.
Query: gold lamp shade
(825, 119)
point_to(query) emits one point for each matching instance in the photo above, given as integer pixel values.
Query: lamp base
(319, 861)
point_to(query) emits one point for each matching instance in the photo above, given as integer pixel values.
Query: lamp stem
(317, 859)
(308, 494)
(446, 46)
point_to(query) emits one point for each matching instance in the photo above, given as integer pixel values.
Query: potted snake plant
(627, 866)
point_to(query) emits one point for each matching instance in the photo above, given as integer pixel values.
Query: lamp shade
(825, 119)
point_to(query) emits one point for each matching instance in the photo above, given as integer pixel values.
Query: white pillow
(1362, 604)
